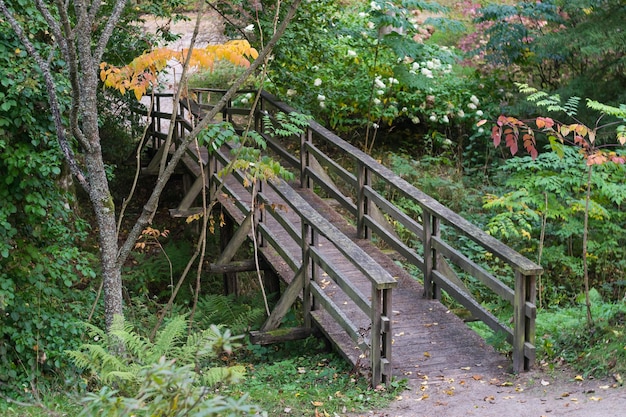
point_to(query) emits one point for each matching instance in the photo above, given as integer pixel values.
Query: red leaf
(501, 120)
(529, 145)
(496, 135)
(544, 122)
(511, 143)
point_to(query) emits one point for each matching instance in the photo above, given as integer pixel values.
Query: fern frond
(536, 96)
(169, 337)
(219, 375)
(120, 376)
(132, 342)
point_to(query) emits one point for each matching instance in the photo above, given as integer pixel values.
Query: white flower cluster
(429, 68)
(322, 100)
(473, 105)
(375, 6)
(246, 98)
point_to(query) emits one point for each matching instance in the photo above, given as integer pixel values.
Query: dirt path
(533, 394)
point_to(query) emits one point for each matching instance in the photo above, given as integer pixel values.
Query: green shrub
(165, 389)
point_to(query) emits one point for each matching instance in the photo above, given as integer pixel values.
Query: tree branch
(108, 29)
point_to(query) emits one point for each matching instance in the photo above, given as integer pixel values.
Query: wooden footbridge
(341, 246)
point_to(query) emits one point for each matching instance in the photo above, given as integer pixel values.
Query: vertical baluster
(363, 203)
(531, 297)
(519, 322)
(375, 336)
(306, 290)
(387, 336)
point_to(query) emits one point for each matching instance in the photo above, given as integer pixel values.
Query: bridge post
(524, 321)
(363, 205)
(304, 157)
(306, 279)
(430, 229)
(380, 336)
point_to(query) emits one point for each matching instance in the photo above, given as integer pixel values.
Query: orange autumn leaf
(142, 72)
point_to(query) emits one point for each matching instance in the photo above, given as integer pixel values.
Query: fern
(120, 357)
(170, 336)
(221, 310)
(219, 375)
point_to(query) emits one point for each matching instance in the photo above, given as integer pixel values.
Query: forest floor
(483, 393)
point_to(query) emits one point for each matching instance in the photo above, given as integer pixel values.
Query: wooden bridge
(337, 239)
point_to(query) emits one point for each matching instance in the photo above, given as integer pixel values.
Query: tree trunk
(104, 210)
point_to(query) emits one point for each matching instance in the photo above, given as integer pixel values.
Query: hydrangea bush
(369, 68)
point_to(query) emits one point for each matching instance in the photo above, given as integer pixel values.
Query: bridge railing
(374, 340)
(367, 190)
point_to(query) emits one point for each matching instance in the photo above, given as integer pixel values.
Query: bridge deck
(428, 339)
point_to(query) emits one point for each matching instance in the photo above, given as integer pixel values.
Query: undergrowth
(563, 338)
(312, 381)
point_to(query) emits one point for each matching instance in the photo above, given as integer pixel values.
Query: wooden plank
(388, 208)
(357, 256)
(348, 177)
(338, 315)
(237, 240)
(408, 253)
(282, 335)
(290, 295)
(472, 305)
(246, 265)
(331, 190)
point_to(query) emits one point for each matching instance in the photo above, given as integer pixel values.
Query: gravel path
(532, 394)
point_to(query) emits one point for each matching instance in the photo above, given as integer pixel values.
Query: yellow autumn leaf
(579, 378)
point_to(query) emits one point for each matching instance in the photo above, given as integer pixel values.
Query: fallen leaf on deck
(477, 377)
(595, 398)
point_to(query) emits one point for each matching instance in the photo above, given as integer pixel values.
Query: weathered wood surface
(428, 339)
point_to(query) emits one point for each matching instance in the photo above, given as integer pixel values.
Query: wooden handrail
(364, 199)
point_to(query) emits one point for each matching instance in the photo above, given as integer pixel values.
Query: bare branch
(108, 29)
